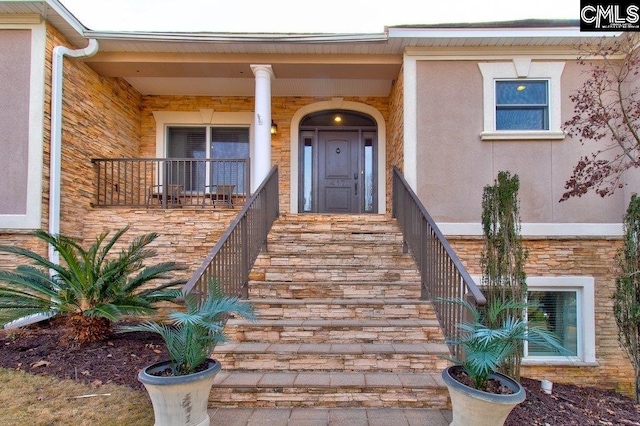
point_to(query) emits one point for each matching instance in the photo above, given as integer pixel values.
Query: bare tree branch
(607, 113)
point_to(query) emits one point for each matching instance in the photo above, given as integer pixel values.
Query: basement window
(564, 306)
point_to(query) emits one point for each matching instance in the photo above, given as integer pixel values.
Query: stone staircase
(340, 322)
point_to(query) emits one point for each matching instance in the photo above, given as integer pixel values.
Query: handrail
(171, 182)
(442, 273)
(231, 259)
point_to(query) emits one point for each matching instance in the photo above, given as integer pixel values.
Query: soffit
(303, 64)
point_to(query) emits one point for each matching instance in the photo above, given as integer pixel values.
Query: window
(198, 142)
(521, 100)
(522, 105)
(557, 312)
(565, 306)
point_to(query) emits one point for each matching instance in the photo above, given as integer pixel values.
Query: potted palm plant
(479, 394)
(179, 387)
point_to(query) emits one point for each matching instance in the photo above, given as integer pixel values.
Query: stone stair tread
(407, 283)
(269, 379)
(437, 349)
(335, 322)
(342, 301)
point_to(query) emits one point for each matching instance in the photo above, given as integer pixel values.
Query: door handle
(356, 185)
(355, 176)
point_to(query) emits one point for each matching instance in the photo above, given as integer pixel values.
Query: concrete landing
(329, 416)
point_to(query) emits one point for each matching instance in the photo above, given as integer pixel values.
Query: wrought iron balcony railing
(171, 182)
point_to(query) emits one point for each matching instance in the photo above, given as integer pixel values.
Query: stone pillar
(261, 160)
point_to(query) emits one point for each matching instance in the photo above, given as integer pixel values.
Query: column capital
(259, 70)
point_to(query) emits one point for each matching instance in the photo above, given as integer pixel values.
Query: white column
(261, 160)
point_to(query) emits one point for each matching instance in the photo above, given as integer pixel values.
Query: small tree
(503, 258)
(607, 113)
(627, 295)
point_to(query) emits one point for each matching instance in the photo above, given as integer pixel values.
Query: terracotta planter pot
(478, 408)
(179, 400)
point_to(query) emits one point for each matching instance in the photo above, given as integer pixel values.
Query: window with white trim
(522, 105)
(564, 306)
(215, 142)
(521, 100)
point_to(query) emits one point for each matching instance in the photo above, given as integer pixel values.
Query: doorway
(338, 163)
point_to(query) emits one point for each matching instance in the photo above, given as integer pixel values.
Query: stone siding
(101, 118)
(184, 235)
(575, 257)
(395, 141)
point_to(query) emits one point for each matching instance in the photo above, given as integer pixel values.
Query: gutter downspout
(55, 170)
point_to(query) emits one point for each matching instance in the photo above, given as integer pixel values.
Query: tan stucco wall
(455, 164)
(15, 63)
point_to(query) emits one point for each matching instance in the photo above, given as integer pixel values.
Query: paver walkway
(329, 416)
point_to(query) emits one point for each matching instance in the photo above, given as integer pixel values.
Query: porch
(171, 182)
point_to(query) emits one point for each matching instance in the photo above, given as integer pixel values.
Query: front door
(337, 163)
(338, 172)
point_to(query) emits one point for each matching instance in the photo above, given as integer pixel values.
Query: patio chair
(173, 192)
(219, 195)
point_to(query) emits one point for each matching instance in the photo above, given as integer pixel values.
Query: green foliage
(487, 348)
(503, 258)
(626, 298)
(91, 283)
(192, 335)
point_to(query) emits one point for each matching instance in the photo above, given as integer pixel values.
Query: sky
(300, 16)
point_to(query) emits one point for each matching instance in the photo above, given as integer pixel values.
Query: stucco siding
(15, 62)
(453, 163)
(456, 164)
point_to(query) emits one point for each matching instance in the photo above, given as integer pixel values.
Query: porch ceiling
(231, 75)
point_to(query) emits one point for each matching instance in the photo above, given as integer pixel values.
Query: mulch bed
(118, 360)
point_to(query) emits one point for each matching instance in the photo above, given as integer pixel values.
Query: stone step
(343, 308)
(332, 273)
(331, 260)
(328, 389)
(318, 244)
(286, 289)
(335, 331)
(371, 357)
(335, 223)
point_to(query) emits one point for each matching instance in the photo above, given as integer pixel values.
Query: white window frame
(207, 142)
(521, 69)
(204, 118)
(584, 287)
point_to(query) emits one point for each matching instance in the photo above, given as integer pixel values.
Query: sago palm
(92, 288)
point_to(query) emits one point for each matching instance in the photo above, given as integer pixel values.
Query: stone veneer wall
(395, 141)
(282, 111)
(577, 257)
(184, 235)
(101, 118)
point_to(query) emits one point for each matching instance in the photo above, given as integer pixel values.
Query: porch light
(274, 128)
(337, 119)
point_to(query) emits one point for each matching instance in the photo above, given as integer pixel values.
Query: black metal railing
(232, 258)
(442, 273)
(171, 182)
